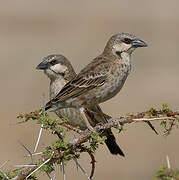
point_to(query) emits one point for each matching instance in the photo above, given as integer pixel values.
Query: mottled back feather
(92, 76)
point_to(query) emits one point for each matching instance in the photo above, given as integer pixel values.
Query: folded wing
(92, 76)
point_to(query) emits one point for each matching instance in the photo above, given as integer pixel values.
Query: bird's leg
(100, 113)
(85, 118)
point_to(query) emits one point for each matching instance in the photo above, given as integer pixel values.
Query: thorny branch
(71, 150)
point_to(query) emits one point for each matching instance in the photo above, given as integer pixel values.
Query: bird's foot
(90, 128)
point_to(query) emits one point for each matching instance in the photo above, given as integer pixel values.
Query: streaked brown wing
(78, 86)
(92, 76)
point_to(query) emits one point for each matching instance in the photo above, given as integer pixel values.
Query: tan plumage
(60, 72)
(101, 79)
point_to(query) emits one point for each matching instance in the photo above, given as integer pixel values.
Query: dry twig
(153, 115)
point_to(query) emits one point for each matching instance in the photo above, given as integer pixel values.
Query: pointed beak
(43, 65)
(138, 43)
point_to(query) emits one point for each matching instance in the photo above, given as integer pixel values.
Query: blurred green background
(79, 29)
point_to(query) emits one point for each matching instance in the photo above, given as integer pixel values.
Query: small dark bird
(60, 71)
(101, 79)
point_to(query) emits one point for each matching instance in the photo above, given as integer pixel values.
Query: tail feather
(47, 106)
(97, 116)
(111, 143)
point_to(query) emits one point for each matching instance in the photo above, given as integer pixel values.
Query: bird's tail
(47, 106)
(97, 116)
(111, 143)
(52, 107)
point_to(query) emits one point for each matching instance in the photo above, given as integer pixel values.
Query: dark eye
(118, 53)
(53, 62)
(127, 40)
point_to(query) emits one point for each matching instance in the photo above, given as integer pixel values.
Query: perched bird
(60, 71)
(101, 79)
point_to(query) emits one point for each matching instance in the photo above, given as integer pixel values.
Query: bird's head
(123, 42)
(56, 66)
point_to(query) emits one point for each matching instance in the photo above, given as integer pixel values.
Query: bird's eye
(118, 53)
(127, 40)
(53, 62)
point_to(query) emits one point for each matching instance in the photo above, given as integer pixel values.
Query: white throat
(56, 85)
(126, 57)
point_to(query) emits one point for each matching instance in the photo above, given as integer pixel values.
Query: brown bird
(101, 79)
(60, 71)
